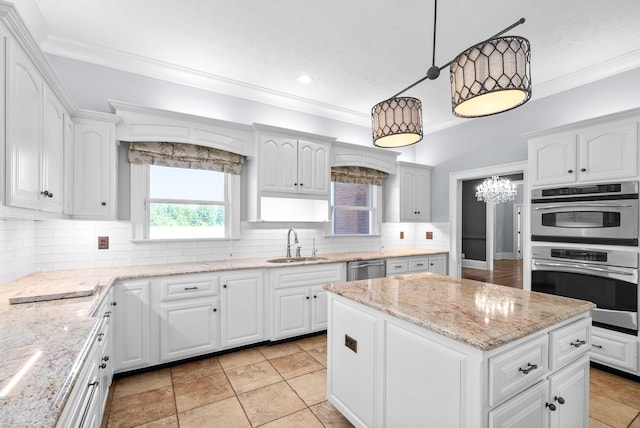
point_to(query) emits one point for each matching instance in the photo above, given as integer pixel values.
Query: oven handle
(574, 205)
(583, 266)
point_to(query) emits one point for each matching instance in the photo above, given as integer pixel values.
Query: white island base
(387, 372)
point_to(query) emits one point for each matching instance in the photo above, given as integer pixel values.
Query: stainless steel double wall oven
(604, 219)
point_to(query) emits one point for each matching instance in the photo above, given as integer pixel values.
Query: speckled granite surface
(59, 329)
(479, 314)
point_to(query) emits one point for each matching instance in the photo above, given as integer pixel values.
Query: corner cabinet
(290, 165)
(408, 194)
(94, 167)
(600, 150)
(34, 136)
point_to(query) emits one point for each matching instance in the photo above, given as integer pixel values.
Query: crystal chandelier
(496, 189)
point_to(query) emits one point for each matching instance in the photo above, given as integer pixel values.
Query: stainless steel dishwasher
(366, 269)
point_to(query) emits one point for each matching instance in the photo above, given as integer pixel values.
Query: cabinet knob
(559, 400)
(570, 171)
(100, 337)
(105, 358)
(104, 204)
(551, 406)
(315, 297)
(103, 366)
(46, 194)
(583, 169)
(301, 184)
(295, 184)
(114, 303)
(215, 309)
(224, 285)
(307, 297)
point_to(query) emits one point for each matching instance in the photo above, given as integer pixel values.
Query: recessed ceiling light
(304, 79)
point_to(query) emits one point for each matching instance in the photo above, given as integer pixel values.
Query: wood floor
(614, 401)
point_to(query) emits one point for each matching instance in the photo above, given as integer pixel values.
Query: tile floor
(284, 385)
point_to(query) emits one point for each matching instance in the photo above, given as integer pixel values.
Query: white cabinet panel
(614, 349)
(242, 308)
(553, 159)
(291, 312)
(131, 325)
(526, 410)
(318, 309)
(53, 153)
(408, 194)
(609, 151)
(438, 264)
(188, 328)
(569, 393)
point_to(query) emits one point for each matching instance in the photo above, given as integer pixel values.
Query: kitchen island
(430, 350)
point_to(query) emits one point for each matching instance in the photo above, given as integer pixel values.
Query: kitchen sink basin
(295, 259)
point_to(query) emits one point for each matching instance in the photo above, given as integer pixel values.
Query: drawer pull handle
(529, 369)
(190, 288)
(419, 264)
(551, 406)
(578, 343)
(398, 267)
(597, 346)
(100, 337)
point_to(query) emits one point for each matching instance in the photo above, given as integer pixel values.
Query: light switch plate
(103, 242)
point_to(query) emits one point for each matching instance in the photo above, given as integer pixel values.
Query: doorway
(455, 213)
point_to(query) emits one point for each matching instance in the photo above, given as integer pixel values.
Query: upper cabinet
(587, 152)
(94, 169)
(35, 135)
(408, 194)
(289, 165)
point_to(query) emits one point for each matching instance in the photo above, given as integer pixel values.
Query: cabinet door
(131, 325)
(423, 195)
(188, 328)
(609, 151)
(291, 312)
(52, 153)
(438, 264)
(614, 349)
(94, 169)
(570, 394)
(242, 308)
(24, 129)
(279, 165)
(313, 168)
(318, 309)
(525, 410)
(408, 185)
(553, 160)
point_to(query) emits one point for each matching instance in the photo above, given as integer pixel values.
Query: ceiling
(358, 52)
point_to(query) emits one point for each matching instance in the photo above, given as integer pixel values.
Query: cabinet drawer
(513, 371)
(177, 288)
(614, 349)
(395, 266)
(419, 264)
(569, 342)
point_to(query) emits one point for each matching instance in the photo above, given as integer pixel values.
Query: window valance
(181, 155)
(357, 174)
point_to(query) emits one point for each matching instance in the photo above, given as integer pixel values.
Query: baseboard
(505, 256)
(474, 264)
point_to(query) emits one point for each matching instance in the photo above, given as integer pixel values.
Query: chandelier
(496, 190)
(490, 77)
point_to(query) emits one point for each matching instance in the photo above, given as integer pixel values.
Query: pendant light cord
(435, 18)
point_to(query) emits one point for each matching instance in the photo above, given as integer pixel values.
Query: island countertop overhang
(482, 315)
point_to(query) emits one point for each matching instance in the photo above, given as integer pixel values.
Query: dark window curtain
(180, 155)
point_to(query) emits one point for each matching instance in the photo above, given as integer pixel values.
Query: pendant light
(491, 77)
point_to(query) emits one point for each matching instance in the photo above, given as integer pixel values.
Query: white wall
(17, 249)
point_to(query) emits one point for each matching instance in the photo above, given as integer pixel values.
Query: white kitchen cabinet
(290, 165)
(569, 392)
(243, 319)
(585, 153)
(131, 324)
(189, 328)
(104, 356)
(34, 136)
(527, 410)
(436, 263)
(614, 349)
(299, 301)
(94, 166)
(408, 194)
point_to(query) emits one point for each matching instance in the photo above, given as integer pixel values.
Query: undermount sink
(295, 259)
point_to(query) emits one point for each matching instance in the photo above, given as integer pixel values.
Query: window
(185, 203)
(354, 208)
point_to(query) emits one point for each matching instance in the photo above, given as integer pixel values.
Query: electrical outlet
(429, 235)
(103, 242)
(351, 343)
(401, 235)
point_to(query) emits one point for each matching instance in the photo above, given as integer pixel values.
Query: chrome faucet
(295, 238)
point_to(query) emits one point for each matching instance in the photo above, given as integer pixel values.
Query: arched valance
(357, 174)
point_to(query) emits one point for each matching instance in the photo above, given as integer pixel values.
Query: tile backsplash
(28, 246)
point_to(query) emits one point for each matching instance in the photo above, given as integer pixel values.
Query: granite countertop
(54, 334)
(479, 314)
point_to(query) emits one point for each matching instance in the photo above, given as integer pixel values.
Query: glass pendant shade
(491, 77)
(397, 122)
(496, 190)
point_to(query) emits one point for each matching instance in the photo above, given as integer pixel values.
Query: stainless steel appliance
(607, 278)
(366, 269)
(589, 214)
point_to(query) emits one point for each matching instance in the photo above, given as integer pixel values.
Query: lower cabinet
(436, 263)
(131, 325)
(615, 349)
(243, 304)
(299, 300)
